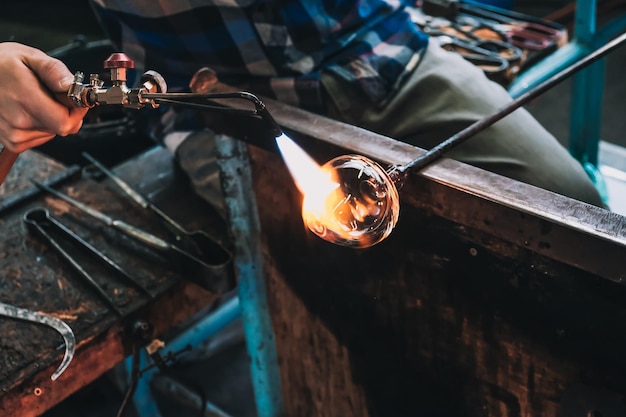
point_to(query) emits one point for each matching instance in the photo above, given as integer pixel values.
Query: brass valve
(96, 93)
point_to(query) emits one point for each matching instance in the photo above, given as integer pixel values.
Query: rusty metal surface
(559, 227)
(34, 276)
(30, 164)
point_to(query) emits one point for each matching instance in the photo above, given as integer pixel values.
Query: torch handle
(7, 159)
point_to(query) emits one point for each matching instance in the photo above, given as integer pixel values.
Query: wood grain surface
(440, 319)
(35, 277)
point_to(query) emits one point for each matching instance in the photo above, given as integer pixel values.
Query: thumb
(52, 72)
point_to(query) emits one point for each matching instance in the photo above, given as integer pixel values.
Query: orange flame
(315, 183)
(350, 200)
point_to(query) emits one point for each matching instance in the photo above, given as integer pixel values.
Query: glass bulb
(358, 209)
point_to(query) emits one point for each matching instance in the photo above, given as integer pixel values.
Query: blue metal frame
(587, 88)
(245, 228)
(251, 303)
(193, 337)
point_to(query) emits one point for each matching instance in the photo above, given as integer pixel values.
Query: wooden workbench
(34, 276)
(491, 298)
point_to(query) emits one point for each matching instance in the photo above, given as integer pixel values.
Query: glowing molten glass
(350, 200)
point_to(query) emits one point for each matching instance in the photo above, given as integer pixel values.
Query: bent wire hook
(59, 325)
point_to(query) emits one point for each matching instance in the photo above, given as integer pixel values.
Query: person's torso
(283, 44)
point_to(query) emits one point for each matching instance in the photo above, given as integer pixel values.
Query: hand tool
(213, 277)
(480, 43)
(152, 91)
(60, 326)
(197, 242)
(490, 62)
(486, 36)
(39, 220)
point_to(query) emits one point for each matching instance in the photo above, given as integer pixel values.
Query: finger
(38, 115)
(16, 124)
(52, 72)
(54, 111)
(72, 124)
(48, 114)
(33, 143)
(22, 140)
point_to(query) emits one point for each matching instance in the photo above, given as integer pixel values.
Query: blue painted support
(585, 120)
(563, 57)
(245, 229)
(587, 89)
(587, 95)
(192, 337)
(546, 68)
(250, 305)
(143, 400)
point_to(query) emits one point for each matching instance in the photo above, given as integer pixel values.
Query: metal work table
(34, 277)
(490, 298)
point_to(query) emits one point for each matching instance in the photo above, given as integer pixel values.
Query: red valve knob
(119, 60)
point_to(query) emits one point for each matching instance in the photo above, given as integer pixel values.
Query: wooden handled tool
(7, 159)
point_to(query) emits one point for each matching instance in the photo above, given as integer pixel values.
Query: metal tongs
(40, 221)
(197, 242)
(214, 274)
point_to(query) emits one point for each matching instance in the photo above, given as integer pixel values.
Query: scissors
(489, 61)
(476, 41)
(488, 36)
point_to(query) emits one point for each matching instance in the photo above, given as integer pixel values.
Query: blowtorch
(361, 222)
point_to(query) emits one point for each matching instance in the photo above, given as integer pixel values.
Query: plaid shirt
(275, 48)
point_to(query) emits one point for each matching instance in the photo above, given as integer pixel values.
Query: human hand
(33, 108)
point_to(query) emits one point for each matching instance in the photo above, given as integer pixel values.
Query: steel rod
(458, 138)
